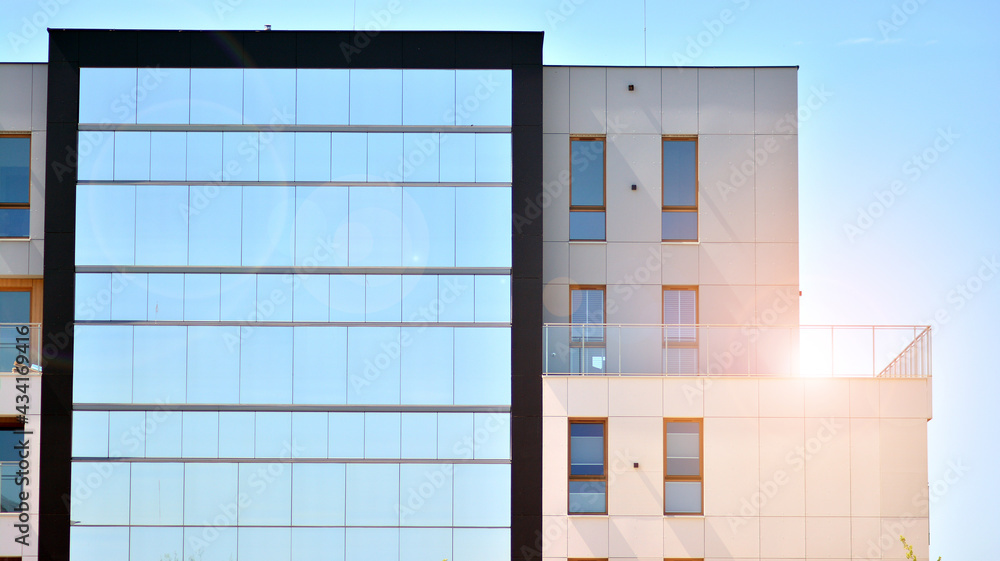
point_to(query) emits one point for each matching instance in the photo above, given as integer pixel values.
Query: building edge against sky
(638, 266)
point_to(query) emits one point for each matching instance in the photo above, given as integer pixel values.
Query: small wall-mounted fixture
(633, 186)
(631, 87)
(267, 27)
(635, 465)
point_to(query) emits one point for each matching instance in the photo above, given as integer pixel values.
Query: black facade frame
(71, 49)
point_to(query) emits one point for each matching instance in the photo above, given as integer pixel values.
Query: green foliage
(909, 550)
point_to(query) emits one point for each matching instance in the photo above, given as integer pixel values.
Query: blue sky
(905, 79)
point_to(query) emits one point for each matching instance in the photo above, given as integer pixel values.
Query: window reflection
(482, 365)
(375, 226)
(483, 97)
(322, 96)
(268, 218)
(269, 96)
(167, 102)
(161, 229)
(101, 91)
(493, 158)
(105, 224)
(312, 156)
(277, 156)
(309, 439)
(376, 97)
(168, 156)
(159, 364)
(131, 156)
(318, 495)
(216, 96)
(204, 162)
(483, 227)
(215, 227)
(458, 157)
(428, 226)
(157, 494)
(319, 365)
(372, 495)
(428, 97)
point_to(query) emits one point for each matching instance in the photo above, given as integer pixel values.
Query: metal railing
(20, 347)
(740, 350)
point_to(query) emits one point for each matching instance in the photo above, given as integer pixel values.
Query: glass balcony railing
(20, 348)
(739, 350)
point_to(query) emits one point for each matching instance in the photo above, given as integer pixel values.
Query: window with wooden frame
(588, 461)
(587, 349)
(683, 452)
(587, 188)
(11, 434)
(680, 332)
(15, 185)
(679, 220)
(20, 304)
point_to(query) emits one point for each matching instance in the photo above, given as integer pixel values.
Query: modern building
(412, 295)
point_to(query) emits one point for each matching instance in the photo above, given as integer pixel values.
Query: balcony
(737, 350)
(20, 348)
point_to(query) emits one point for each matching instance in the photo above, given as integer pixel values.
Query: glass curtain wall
(293, 315)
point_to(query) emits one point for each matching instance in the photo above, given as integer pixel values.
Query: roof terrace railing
(737, 350)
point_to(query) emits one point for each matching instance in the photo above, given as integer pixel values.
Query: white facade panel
(634, 111)
(726, 100)
(587, 100)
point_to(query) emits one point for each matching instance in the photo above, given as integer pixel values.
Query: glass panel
(319, 365)
(350, 156)
(456, 298)
(15, 171)
(482, 495)
(108, 503)
(156, 544)
(455, 431)
(318, 494)
(215, 227)
(274, 297)
(418, 436)
(682, 497)
(680, 173)
(312, 156)
(347, 298)
(98, 544)
(212, 543)
(164, 430)
(492, 436)
(586, 225)
(586, 449)
(309, 438)
(383, 298)
(492, 298)
(428, 97)
(168, 157)
(273, 434)
(347, 435)
(102, 91)
(264, 544)
(482, 544)
(321, 226)
(236, 434)
(96, 156)
(425, 495)
(382, 435)
(105, 224)
(311, 298)
(588, 359)
(417, 544)
(682, 360)
(216, 96)
(161, 229)
(385, 156)
(376, 97)
(204, 162)
(201, 434)
(483, 228)
(277, 156)
(309, 544)
(420, 156)
(240, 156)
(14, 222)
(365, 544)
(165, 301)
(372, 496)
(483, 97)
(680, 307)
(90, 436)
(210, 490)
(376, 227)
(681, 226)
(322, 96)
(267, 489)
(587, 172)
(93, 300)
(128, 301)
(427, 366)
(159, 364)
(239, 297)
(428, 226)
(458, 157)
(587, 496)
(587, 308)
(132, 156)
(166, 95)
(127, 434)
(420, 298)
(102, 364)
(261, 350)
(482, 365)
(201, 297)
(269, 96)
(213, 364)
(157, 494)
(493, 158)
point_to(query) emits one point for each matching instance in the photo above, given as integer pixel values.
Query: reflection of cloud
(889, 41)
(932, 42)
(857, 41)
